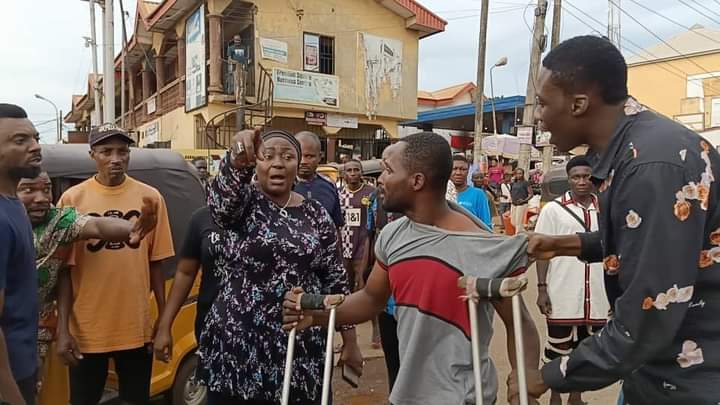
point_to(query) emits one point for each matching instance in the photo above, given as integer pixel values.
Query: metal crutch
(288, 367)
(519, 349)
(474, 339)
(314, 302)
(490, 288)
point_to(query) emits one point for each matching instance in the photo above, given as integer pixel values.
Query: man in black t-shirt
(520, 194)
(197, 251)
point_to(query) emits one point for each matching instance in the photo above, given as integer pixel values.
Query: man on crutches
(419, 259)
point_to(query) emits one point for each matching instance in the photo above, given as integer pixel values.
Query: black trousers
(389, 339)
(28, 389)
(134, 370)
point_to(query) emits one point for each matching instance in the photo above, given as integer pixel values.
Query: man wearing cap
(111, 281)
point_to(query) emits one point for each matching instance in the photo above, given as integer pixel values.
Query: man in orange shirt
(111, 282)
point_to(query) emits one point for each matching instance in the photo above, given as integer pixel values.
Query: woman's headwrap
(279, 133)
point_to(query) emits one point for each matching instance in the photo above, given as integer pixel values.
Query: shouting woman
(272, 239)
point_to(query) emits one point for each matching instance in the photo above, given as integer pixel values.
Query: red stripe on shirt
(430, 286)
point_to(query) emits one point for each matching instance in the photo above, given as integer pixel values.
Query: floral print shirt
(659, 240)
(62, 227)
(262, 254)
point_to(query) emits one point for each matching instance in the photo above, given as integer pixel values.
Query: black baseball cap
(107, 131)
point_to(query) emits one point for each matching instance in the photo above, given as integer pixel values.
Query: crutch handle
(320, 301)
(492, 288)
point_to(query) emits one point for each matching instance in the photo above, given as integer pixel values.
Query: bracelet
(541, 285)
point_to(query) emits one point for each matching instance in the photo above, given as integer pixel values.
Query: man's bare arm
(107, 228)
(157, 283)
(531, 341)
(357, 308)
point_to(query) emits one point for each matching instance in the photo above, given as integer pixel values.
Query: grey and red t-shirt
(423, 264)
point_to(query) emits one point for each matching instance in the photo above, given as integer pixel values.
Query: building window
(715, 111)
(319, 54)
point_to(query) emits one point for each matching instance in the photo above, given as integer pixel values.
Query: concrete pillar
(132, 73)
(330, 150)
(181, 67)
(215, 27)
(160, 71)
(159, 77)
(146, 82)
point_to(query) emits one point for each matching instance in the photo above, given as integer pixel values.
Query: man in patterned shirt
(659, 235)
(354, 200)
(54, 231)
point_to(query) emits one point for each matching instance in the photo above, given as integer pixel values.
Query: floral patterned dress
(262, 254)
(62, 226)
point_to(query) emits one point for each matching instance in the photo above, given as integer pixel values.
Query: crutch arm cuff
(486, 288)
(320, 301)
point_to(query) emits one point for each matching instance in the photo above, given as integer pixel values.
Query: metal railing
(219, 130)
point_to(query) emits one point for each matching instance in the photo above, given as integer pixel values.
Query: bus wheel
(186, 389)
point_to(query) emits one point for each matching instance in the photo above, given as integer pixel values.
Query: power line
(625, 39)
(706, 8)
(683, 75)
(658, 36)
(675, 22)
(478, 15)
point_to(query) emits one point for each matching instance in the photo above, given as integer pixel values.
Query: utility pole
(477, 148)
(96, 118)
(538, 46)
(614, 22)
(108, 63)
(557, 14)
(122, 67)
(554, 41)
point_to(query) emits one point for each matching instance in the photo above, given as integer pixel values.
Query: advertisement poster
(195, 68)
(543, 139)
(311, 53)
(525, 134)
(383, 67)
(272, 49)
(316, 118)
(341, 121)
(292, 86)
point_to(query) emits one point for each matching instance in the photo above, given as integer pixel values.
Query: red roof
(417, 16)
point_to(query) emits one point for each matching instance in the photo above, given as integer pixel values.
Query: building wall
(175, 126)
(343, 20)
(662, 86)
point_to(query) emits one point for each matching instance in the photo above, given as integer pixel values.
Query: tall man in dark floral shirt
(659, 235)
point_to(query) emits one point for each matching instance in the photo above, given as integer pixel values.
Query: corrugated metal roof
(501, 104)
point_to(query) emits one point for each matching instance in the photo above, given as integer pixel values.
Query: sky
(43, 50)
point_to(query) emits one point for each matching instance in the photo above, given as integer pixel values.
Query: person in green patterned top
(54, 230)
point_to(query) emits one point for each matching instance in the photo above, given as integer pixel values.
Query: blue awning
(503, 104)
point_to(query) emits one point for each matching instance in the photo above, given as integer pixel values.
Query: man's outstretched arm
(357, 308)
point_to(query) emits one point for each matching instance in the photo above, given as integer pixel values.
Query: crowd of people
(627, 260)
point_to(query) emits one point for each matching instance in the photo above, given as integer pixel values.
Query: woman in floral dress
(274, 239)
(53, 230)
